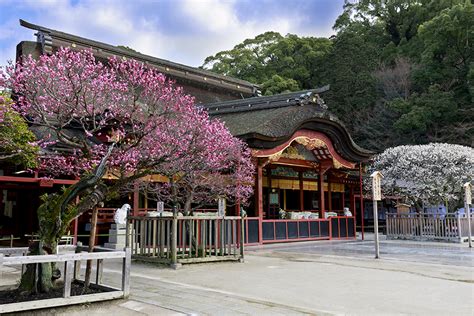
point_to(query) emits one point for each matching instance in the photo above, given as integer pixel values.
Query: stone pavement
(331, 277)
(454, 254)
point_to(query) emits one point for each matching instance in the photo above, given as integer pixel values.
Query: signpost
(160, 207)
(221, 207)
(467, 208)
(376, 196)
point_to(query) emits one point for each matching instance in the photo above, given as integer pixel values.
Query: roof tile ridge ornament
(44, 38)
(320, 101)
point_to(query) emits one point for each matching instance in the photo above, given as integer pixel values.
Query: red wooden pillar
(300, 176)
(136, 200)
(237, 207)
(269, 185)
(329, 196)
(321, 193)
(259, 200)
(361, 200)
(353, 201)
(343, 196)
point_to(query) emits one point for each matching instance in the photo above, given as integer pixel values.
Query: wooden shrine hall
(308, 169)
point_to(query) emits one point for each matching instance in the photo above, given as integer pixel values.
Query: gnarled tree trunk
(55, 215)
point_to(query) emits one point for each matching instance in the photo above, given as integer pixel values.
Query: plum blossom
(432, 173)
(83, 106)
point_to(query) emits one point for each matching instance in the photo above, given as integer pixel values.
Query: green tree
(424, 117)
(277, 84)
(247, 60)
(443, 108)
(349, 68)
(278, 63)
(16, 140)
(417, 50)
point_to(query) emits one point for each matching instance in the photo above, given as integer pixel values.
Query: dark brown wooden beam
(34, 180)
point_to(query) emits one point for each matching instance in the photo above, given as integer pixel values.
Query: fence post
(77, 264)
(174, 242)
(242, 237)
(68, 276)
(99, 271)
(127, 232)
(420, 220)
(459, 228)
(127, 262)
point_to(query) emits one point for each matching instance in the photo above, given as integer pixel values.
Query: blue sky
(184, 31)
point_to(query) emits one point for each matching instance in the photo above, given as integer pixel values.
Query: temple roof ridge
(46, 36)
(302, 97)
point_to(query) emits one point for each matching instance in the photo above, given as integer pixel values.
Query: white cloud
(213, 15)
(221, 29)
(107, 21)
(215, 26)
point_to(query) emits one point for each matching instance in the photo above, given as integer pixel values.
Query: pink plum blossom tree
(220, 166)
(122, 118)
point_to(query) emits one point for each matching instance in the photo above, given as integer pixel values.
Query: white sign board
(221, 207)
(160, 207)
(468, 192)
(376, 185)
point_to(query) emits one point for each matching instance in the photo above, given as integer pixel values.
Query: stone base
(117, 237)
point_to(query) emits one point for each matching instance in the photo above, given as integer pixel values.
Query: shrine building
(308, 169)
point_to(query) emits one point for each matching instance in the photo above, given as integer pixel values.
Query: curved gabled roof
(50, 38)
(266, 122)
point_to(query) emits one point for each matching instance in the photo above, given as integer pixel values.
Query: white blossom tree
(432, 173)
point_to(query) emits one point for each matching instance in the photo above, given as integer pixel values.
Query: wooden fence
(425, 226)
(71, 264)
(186, 239)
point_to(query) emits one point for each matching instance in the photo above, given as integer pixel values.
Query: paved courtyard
(454, 254)
(315, 278)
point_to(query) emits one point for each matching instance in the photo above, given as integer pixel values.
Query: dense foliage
(432, 173)
(17, 142)
(401, 72)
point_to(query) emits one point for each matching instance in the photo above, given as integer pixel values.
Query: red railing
(283, 230)
(258, 231)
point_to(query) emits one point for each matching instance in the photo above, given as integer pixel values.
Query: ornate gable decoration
(303, 147)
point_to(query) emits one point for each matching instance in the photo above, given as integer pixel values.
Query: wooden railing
(425, 226)
(186, 239)
(10, 239)
(71, 261)
(106, 214)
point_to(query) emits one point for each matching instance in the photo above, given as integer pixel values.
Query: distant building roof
(51, 38)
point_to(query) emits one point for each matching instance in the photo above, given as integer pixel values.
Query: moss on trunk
(40, 277)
